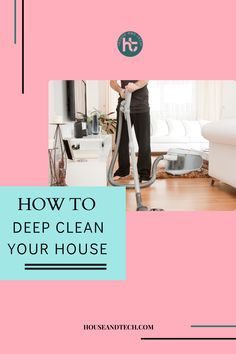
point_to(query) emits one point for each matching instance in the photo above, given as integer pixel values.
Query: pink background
(180, 266)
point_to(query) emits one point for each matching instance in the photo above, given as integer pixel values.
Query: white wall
(96, 95)
(57, 107)
(57, 99)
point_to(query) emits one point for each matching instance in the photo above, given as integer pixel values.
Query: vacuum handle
(128, 96)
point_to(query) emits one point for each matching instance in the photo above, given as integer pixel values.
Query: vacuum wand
(140, 206)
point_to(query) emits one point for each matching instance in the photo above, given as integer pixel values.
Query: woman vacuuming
(140, 119)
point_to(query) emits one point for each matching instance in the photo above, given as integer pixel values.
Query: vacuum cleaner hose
(114, 158)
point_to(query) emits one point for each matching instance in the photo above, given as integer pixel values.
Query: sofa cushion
(203, 122)
(159, 127)
(176, 128)
(193, 128)
(176, 133)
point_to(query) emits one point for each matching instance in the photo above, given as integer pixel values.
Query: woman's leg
(141, 123)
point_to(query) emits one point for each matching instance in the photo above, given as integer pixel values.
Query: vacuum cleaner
(125, 109)
(178, 161)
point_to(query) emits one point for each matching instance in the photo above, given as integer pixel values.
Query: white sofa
(173, 133)
(222, 155)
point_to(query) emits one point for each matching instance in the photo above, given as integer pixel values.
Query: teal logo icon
(130, 44)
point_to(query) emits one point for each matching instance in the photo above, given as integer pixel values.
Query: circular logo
(130, 44)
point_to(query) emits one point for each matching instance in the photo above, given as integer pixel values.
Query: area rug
(203, 173)
(162, 174)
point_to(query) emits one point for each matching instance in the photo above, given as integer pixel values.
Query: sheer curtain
(179, 99)
(172, 99)
(168, 99)
(185, 99)
(209, 98)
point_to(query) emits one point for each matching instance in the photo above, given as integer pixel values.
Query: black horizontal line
(188, 338)
(65, 264)
(65, 268)
(213, 326)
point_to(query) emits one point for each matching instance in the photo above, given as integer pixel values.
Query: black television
(71, 99)
(76, 96)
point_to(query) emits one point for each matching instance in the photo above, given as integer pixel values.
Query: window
(179, 99)
(172, 99)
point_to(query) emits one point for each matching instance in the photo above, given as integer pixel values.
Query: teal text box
(80, 235)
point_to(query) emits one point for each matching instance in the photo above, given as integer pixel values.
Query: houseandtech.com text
(118, 327)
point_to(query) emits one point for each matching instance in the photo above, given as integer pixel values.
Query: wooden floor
(187, 194)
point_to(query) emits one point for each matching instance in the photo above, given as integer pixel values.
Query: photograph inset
(171, 143)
